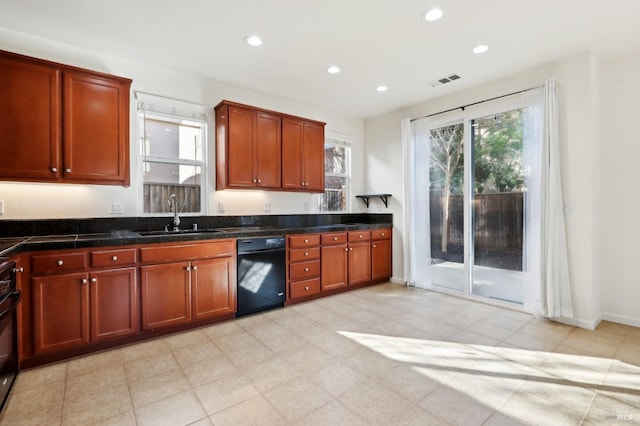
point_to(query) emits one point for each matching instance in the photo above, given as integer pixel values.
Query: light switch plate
(116, 208)
(267, 206)
(220, 206)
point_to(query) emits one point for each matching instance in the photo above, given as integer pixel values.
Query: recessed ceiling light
(381, 88)
(333, 69)
(253, 40)
(481, 48)
(432, 15)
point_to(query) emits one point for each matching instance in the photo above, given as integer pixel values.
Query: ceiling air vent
(445, 80)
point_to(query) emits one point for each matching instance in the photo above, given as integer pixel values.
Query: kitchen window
(337, 175)
(172, 152)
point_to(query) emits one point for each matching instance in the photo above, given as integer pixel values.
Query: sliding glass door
(483, 198)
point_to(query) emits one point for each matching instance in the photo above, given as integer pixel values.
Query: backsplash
(27, 228)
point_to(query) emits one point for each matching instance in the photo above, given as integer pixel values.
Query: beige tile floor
(387, 355)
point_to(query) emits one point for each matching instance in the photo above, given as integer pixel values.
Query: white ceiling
(375, 42)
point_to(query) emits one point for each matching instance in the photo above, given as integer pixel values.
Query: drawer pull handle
(306, 287)
(60, 262)
(306, 269)
(306, 253)
(114, 258)
(335, 238)
(94, 280)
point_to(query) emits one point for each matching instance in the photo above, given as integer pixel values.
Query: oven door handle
(16, 295)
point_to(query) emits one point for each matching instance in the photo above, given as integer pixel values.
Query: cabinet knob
(374, 246)
(54, 170)
(346, 249)
(20, 269)
(382, 234)
(306, 241)
(195, 268)
(114, 258)
(188, 268)
(306, 269)
(60, 262)
(360, 236)
(350, 248)
(306, 253)
(335, 238)
(306, 287)
(67, 170)
(259, 180)
(84, 281)
(254, 180)
(94, 280)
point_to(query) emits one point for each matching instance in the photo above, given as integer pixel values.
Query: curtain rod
(476, 103)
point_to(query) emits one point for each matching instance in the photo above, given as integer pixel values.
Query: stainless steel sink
(180, 232)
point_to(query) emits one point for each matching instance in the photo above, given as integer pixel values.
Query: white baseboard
(622, 319)
(396, 280)
(577, 322)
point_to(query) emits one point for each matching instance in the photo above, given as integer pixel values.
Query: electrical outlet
(116, 208)
(1, 206)
(220, 206)
(267, 206)
(306, 206)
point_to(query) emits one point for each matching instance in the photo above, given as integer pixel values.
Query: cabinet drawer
(299, 241)
(381, 234)
(337, 238)
(181, 252)
(304, 288)
(63, 262)
(302, 270)
(299, 255)
(113, 257)
(359, 236)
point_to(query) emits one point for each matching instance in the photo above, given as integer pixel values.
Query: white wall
(578, 86)
(619, 223)
(35, 201)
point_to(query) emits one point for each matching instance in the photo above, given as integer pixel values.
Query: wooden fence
(156, 197)
(498, 220)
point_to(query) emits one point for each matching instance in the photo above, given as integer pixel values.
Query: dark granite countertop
(14, 245)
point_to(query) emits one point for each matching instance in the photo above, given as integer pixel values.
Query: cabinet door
(29, 120)
(334, 267)
(292, 154)
(241, 136)
(359, 263)
(380, 259)
(268, 150)
(314, 157)
(213, 287)
(113, 302)
(96, 130)
(165, 294)
(61, 312)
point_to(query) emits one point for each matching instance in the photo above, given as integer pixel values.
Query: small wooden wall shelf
(383, 197)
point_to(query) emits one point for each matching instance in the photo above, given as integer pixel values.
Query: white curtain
(416, 211)
(555, 298)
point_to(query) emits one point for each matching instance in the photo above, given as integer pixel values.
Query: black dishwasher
(261, 274)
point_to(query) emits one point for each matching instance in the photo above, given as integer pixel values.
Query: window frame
(342, 141)
(174, 116)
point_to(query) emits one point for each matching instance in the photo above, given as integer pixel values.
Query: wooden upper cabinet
(260, 149)
(302, 155)
(248, 148)
(96, 134)
(62, 124)
(29, 120)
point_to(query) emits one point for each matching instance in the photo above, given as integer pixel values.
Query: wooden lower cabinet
(113, 302)
(334, 267)
(213, 288)
(61, 312)
(166, 295)
(197, 282)
(380, 259)
(73, 310)
(359, 263)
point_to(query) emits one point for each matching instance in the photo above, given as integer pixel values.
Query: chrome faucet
(173, 206)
